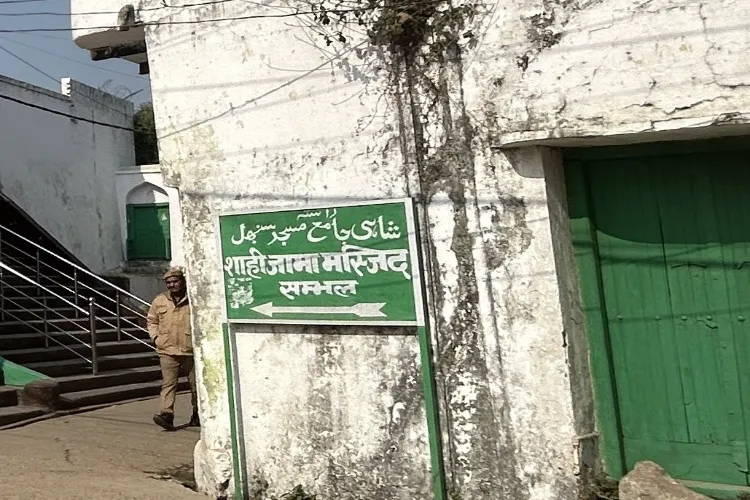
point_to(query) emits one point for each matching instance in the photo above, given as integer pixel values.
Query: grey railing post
(46, 324)
(2, 297)
(75, 290)
(92, 329)
(117, 315)
(38, 272)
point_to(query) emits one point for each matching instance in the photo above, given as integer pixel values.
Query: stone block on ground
(649, 481)
(44, 393)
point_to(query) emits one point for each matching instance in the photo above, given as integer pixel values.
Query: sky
(55, 53)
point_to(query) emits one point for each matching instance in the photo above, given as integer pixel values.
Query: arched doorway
(148, 233)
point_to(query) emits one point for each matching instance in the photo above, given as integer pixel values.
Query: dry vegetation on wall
(298, 493)
(602, 488)
(259, 491)
(417, 48)
(417, 27)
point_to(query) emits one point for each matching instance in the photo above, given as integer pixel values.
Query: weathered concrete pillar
(339, 410)
(503, 345)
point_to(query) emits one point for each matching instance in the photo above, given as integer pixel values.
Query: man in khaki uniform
(169, 328)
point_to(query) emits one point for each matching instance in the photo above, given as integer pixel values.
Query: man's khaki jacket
(169, 325)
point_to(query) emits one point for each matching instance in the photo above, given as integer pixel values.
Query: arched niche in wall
(148, 230)
(146, 193)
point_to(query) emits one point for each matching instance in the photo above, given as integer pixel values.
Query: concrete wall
(94, 28)
(139, 185)
(619, 67)
(267, 115)
(145, 184)
(501, 361)
(61, 171)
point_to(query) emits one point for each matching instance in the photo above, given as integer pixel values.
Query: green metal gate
(662, 240)
(148, 232)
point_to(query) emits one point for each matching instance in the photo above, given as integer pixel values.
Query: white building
(68, 164)
(150, 227)
(60, 155)
(501, 137)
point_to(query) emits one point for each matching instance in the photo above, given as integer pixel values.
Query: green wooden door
(148, 232)
(668, 240)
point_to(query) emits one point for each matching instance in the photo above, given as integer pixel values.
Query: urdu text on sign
(354, 264)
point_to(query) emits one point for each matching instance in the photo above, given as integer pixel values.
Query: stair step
(12, 414)
(57, 352)
(14, 312)
(38, 340)
(68, 367)
(14, 302)
(16, 255)
(34, 326)
(51, 319)
(28, 291)
(116, 393)
(53, 282)
(54, 278)
(8, 396)
(31, 293)
(12, 281)
(28, 267)
(85, 382)
(16, 287)
(67, 306)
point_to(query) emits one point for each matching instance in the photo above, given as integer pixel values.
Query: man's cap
(174, 272)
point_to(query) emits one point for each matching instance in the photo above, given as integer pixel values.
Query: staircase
(62, 321)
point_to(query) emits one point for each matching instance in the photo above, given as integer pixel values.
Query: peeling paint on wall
(61, 172)
(252, 126)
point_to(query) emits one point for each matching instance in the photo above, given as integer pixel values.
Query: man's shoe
(195, 420)
(165, 421)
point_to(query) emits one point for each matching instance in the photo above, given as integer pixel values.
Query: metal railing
(115, 307)
(47, 323)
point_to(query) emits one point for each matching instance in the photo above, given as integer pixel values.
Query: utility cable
(60, 113)
(54, 54)
(27, 63)
(2, 2)
(95, 13)
(211, 20)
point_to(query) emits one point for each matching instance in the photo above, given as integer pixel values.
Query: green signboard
(336, 265)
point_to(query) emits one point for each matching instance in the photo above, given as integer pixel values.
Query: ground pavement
(115, 454)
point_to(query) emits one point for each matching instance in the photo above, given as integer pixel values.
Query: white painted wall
(333, 431)
(145, 184)
(61, 170)
(664, 69)
(146, 194)
(264, 118)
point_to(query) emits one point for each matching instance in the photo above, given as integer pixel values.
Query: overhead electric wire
(48, 37)
(2, 2)
(197, 21)
(67, 115)
(95, 13)
(27, 63)
(209, 20)
(95, 122)
(55, 54)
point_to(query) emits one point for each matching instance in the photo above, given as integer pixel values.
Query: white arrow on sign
(363, 310)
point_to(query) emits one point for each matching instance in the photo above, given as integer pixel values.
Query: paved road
(116, 454)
